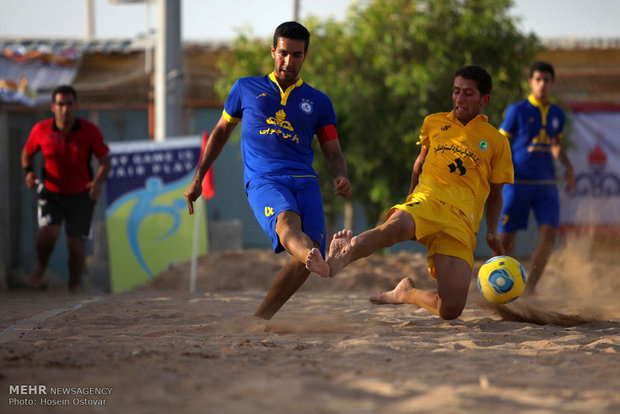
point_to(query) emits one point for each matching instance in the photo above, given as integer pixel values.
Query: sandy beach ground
(162, 349)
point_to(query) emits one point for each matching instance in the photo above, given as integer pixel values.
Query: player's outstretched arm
(560, 154)
(337, 165)
(219, 136)
(29, 174)
(342, 186)
(417, 168)
(495, 201)
(95, 186)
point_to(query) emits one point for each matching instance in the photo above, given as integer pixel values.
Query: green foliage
(249, 57)
(388, 66)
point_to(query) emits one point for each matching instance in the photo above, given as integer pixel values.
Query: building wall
(586, 72)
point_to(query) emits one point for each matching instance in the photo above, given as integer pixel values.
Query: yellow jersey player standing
(463, 163)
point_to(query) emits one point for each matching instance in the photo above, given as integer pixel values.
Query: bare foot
(316, 264)
(394, 296)
(35, 279)
(339, 251)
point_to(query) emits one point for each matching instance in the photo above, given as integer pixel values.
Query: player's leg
(339, 250)
(540, 257)
(284, 202)
(453, 279)
(547, 213)
(291, 235)
(508, 241)
(344, 249)
(446, 233)
(77, 259)
(46, 240)
(294, 273)
(49, 217)
(448, 301)
(286, 283)
(515, 213)
(404, 292)
(78, 211)
(290, 211)
(399, 227)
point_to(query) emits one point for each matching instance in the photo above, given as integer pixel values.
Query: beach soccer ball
(501, 279)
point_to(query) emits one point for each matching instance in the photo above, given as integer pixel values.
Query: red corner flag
(208, 190)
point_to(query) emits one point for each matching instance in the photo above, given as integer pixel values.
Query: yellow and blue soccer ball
(501, 279)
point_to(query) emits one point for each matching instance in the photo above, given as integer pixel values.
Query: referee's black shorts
(76, 210)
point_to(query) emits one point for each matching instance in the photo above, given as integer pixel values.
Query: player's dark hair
(292, 30)
(542, 67)
(63, 90)
(478, 74)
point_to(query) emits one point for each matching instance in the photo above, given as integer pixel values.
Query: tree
(388, 66)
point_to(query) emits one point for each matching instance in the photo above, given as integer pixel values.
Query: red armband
(327, 133)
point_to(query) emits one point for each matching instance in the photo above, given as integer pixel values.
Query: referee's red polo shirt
(66, 158)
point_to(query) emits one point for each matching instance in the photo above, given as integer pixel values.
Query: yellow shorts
(441, 228)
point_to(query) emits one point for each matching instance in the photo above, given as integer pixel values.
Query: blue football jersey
(278, 126)
(530, 125)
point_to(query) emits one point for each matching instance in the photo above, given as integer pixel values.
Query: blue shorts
(520, 198)
(269, 196)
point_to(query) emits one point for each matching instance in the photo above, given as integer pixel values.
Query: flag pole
(195, 243)
(207, 192)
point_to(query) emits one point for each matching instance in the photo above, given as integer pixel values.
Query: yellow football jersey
(461, 161)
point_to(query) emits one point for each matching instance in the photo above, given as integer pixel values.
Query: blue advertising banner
(146, 215)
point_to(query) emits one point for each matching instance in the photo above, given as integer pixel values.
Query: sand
(162, 349)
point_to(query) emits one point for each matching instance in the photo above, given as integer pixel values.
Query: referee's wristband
(28, 169)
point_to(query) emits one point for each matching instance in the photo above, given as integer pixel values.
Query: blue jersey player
(281, 114)
(534, 127)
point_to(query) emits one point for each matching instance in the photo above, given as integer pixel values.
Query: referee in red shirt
(68, 190)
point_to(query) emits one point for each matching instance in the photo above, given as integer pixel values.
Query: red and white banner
(594, 151)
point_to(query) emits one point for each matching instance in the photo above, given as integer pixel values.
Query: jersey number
(457, 165)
